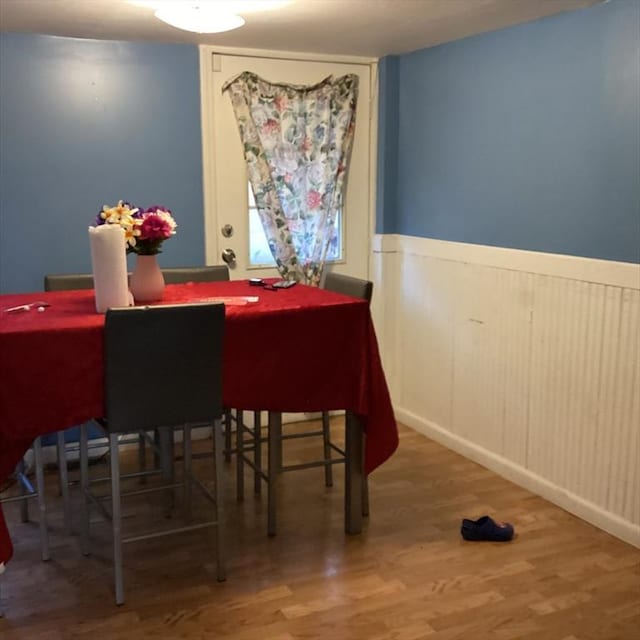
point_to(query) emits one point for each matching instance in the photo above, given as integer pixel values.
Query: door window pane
(259, 253)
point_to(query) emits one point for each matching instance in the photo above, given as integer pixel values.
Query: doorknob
(229, 256)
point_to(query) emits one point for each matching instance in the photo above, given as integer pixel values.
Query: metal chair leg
(142, 456)
(227, 435)
(165, 437)
(257, 451)
(326, 440)
(42, 507)
(218, 494)
(116, 514)
(1, 572)
(186, 479)
(84, 489)
(24, 504)
(63, 477)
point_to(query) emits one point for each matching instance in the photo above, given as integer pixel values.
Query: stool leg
(218, 494)
(142, 455)
(63, 477)
(84, 488)
(227, 435)
(257, 451)
(114, 454)
(165, 438)
(42, 507)
(365, 482)
(186, 455)
(1, 572)
(24, 504)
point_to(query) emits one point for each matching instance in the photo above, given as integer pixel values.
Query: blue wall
(387, 168)
(84, 123)
(528, 137)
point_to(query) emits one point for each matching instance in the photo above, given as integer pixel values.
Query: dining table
(302, 349)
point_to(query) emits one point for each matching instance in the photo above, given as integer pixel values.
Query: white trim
(570, 502)
(285, 55)
(208, 160)
(607, 272)
(373, 159)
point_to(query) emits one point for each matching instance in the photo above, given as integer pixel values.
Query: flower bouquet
(145, 229)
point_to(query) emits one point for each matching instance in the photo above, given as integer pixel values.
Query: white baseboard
(616, 526)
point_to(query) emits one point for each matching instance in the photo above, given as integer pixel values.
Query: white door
(230, 225)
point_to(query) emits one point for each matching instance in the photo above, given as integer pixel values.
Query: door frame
(210, 214)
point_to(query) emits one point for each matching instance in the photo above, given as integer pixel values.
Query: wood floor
(408, 576)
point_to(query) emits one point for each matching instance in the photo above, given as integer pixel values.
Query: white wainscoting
(526, 362)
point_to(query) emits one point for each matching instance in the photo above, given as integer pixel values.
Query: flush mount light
(199, 17)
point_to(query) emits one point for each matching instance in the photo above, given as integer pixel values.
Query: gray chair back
(67, 282)
(176, 275)
(212, 273)
(163, 366)
(349, 286)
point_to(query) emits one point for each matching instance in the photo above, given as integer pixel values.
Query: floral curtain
(297, 142)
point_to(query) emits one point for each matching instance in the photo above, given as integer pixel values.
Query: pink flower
(155, 227)
(314, 200)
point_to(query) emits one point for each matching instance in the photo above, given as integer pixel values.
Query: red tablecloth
(300, 349)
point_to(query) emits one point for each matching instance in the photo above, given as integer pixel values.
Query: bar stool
(177, 383)
(347, 285)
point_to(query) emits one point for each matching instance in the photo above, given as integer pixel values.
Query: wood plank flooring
(408, 576)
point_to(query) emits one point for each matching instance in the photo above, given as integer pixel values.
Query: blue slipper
(486, 529)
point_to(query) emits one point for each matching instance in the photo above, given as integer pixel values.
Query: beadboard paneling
(527, 362)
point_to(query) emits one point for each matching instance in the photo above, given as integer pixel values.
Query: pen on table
(40, 306)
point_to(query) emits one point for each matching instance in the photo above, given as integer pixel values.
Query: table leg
(275, 463)
(353, 474)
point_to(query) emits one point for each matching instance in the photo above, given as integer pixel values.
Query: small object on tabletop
(27, 307)
(284, 284)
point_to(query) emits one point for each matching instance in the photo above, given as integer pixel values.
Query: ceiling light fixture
(199, 17)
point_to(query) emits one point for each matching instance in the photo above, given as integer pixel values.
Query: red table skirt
(298, 350)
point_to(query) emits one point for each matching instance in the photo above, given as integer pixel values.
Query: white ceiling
(372, 28)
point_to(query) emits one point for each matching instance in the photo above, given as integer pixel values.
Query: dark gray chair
(68, 281)
(176, 275)
(71, 281)
(175, 384)
(356, 288)
(210, 273)
(346, 285)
